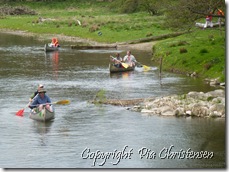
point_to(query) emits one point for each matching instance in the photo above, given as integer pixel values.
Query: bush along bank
(196, 104)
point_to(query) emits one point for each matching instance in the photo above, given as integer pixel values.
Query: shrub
(173, 45)
(184, 61)
(203, 51)
(168, 53)
(211, 37)
(208, 65)
(149, 34)
(216, 60)
(181, 43)
(19, 10)
(183, 50)
(94, 28)
(129, 6)
(210, 99)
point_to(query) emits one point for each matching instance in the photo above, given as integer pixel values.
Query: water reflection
(122, 75)
(54, 57)
(42, 128)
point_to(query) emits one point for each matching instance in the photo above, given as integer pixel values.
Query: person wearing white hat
(36, 92)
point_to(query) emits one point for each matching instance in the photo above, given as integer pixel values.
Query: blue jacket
(38, 100)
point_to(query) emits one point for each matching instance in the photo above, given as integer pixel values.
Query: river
(82, 135)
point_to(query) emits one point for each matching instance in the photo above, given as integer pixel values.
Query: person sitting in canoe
(129, 59)
(117, 60)
(36, 92)
(54, 43)
(41, 100)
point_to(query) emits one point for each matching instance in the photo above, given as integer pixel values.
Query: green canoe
(114, 69)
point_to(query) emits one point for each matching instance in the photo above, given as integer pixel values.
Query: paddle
(144, 66)
(123, 64)
(61, 102)
(21, 111)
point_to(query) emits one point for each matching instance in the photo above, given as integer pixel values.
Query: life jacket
(209, 17)
(55, 42)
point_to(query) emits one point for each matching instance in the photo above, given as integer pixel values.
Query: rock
(218, 100)
(197, 95)
(146, 111)
(188, 112)
(200, 111)
(128, 108)
(218, 108)
(193, 74)
(179, 112)
(214, 82)
(166, 111)
(136, 108)
(215, 114)
(222, 84)
(216, 93)
(210, 104)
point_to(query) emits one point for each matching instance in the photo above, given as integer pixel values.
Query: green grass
(205, 53)
(115, 28)
(63, 19)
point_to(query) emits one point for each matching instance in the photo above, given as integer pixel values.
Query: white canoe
(43, 115)
(47, 48)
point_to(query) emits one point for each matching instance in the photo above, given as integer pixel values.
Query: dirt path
(147, 46)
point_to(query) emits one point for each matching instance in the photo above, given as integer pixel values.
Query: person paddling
(129, 59)
(36, 92)
(41, 100)
(117, 60)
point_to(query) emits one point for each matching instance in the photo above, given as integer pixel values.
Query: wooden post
(161, 59)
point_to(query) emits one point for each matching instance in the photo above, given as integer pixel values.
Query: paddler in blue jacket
(41, 100)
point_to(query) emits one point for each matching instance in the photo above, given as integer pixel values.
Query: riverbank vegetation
(201, 52)
(107, 21)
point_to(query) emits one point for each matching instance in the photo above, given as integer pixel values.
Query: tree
(153, 7)
(183, 14)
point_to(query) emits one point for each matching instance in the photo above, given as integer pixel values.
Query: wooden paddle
(123, 64)
(62, 102)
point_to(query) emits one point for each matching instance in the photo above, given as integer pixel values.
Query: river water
(82, 132)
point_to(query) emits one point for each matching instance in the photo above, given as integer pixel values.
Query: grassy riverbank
(64, 18)
(201, 51)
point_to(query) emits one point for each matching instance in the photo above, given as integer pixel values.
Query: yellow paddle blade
(63, 102)
(146, 67)
(125, 65)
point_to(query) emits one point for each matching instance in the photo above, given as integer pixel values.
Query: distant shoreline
(146, 46)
